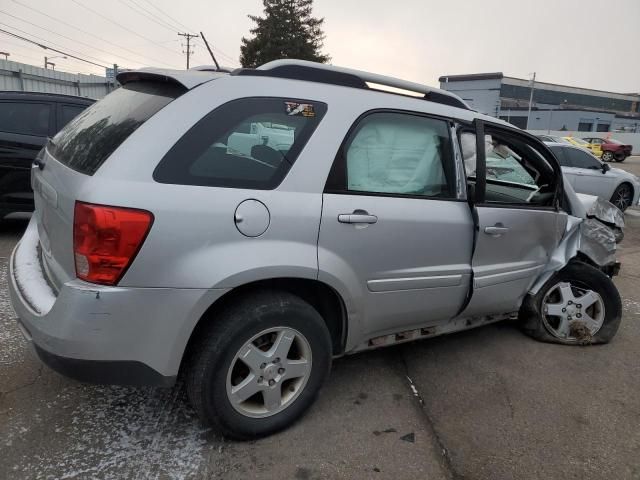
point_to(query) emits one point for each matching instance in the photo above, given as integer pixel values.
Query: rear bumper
(105, 371)
(115, 335)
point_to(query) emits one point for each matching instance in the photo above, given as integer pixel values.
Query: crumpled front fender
(592, 236)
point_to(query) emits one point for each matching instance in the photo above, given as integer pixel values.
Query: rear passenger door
(395, 231)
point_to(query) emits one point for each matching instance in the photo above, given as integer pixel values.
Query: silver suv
(245, 229)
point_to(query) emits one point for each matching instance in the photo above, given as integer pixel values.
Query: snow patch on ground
(114, 433)
(632, 306)
(12, 345)
(28, 272)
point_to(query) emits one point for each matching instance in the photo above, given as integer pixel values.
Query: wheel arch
(325, 299)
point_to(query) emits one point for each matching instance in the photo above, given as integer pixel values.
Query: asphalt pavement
(490, 403)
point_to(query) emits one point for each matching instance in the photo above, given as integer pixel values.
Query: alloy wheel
(622, 198)
(269, 372)
(567, 306)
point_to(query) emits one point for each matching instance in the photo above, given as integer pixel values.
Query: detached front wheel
(260, 366)
(579, 305)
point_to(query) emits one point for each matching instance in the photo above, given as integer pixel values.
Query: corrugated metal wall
(23, 77)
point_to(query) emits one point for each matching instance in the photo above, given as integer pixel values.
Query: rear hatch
(63, 173)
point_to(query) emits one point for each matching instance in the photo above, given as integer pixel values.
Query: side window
(397, 154)
(581, 159)
(25, 118)
(245, 143)
(506, 165)
(68, 113)
(559, 153)
(516, 172)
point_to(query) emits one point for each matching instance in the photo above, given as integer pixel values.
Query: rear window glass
(88, 140)
(245, 143)
(25, 118)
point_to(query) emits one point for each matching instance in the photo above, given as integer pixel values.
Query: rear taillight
(106, 240)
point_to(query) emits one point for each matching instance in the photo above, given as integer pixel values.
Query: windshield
(617, 142)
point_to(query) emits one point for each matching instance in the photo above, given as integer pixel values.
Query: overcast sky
(586, 43)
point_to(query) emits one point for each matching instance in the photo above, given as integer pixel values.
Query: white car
(588, 174)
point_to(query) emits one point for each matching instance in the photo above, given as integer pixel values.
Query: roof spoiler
(186, 78)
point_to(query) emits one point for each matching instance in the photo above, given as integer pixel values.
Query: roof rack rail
(347, 77)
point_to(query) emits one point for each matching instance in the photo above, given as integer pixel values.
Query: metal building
(554, 107)
(16, 76)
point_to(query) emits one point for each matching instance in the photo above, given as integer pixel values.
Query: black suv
(26, 120)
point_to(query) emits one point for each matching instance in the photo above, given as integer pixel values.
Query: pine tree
(287, 30)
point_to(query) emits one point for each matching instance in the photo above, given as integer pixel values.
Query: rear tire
(620, 157)
(272, 348)
(607, 156)
(543, 318)
(623, 196)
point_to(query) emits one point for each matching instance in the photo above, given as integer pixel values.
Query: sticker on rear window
(304, 109)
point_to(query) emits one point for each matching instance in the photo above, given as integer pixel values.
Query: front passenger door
(590, 178)
(518, 223)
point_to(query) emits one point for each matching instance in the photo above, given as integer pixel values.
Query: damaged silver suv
(245, 229)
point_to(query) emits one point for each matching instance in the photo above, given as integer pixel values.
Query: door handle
(497, 230)
(358, 216)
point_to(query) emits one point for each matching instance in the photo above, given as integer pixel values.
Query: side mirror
(605, 168)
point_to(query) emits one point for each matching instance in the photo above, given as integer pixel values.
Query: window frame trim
(479, 201)
(338, 170)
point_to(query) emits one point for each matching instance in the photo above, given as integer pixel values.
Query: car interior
(516, 172)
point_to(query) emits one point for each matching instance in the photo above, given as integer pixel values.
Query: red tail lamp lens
(106, 240)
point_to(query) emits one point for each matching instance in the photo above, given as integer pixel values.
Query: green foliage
(287, 30)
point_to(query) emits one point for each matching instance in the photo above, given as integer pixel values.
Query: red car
(611, 149)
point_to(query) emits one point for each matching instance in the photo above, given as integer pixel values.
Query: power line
(182, 25)
(49, 48)
(221, 53)
(121, 26)
(20, 54)
(55, 44)
(72, 39)
(93, 35)
(150, 15)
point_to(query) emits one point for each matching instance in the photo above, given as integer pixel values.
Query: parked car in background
(552, 138)
(588, 174)
(578, 142)
(610, 149)
(247, 228)
(27, 119)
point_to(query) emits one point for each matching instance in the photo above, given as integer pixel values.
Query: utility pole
(6, 55)
(533, 86)
(210, 52)
(188, 36)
